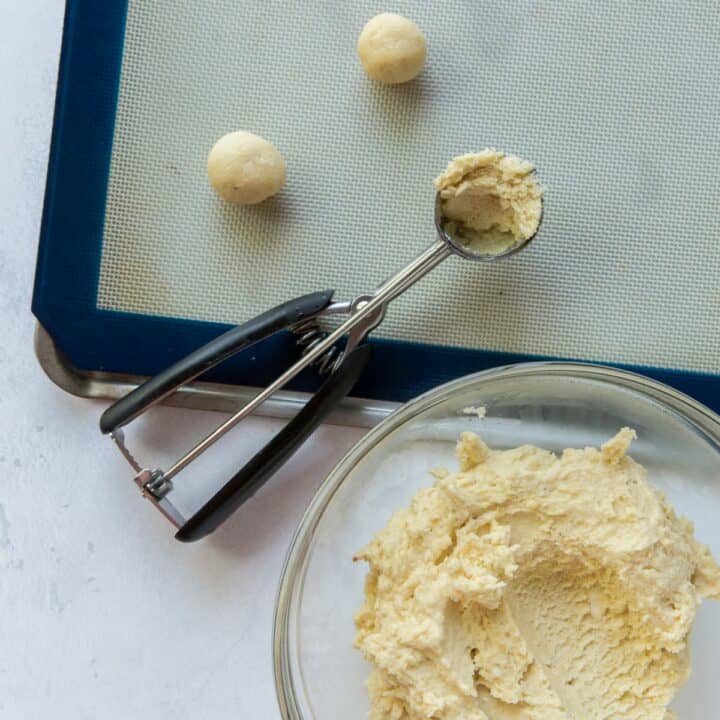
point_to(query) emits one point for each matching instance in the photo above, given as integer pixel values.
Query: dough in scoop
(490, 200)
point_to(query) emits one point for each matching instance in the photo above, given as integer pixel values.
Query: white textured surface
(617, 104)
(103, 616)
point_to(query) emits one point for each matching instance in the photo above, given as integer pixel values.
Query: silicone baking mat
(616, 103)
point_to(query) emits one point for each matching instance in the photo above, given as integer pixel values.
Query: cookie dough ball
(391, 49)
(245, 169)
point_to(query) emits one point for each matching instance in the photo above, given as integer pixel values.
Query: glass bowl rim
(698, 415)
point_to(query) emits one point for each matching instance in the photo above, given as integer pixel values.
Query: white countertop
(104, 614)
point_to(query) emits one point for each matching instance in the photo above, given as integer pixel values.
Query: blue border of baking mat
(66, 280)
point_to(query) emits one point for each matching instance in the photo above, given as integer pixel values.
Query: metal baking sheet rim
(65, 293)
(357, 412)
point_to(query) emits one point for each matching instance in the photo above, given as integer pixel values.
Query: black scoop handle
(199, 361)
(245, 483)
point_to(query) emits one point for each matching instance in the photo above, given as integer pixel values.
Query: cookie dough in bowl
(320, 675)
(533, 585)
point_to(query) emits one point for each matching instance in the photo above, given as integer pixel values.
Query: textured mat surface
(616, 103)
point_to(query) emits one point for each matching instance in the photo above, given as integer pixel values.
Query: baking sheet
(616, 103)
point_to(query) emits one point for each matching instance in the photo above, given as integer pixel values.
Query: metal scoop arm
(156, 485)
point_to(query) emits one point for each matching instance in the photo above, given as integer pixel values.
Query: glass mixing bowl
(319, 676)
